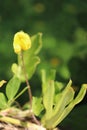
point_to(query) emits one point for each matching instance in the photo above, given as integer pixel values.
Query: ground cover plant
(55, 101)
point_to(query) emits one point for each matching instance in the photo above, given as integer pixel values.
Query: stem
(20, 93)
(26, 78)
(29, 89)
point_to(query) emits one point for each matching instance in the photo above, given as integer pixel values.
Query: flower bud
(21, 42)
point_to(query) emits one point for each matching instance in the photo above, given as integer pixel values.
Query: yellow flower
(21, 42)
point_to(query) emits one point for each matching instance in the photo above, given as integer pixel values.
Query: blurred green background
(64, 27)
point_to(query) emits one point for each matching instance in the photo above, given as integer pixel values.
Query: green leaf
(58, 86)
(12, 87)
(62, 100)
(31, 65)
(31, 59)
(75, 101)
(81, 94)
(3, 101)
(48, 91)
(36, 43)
(48, 97)
(46, 77)
(17, 70)
(37, 105)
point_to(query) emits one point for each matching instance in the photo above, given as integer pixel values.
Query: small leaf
(17, 70)
(75, 101)
(81, 94)
(36, 43)
(37, 106)
(3, 101)
(58, 86)
(64, 97)
(30, 68)
(48, 97)
(12, 87)
(48, 91)
(46, 76)
(31, 65)
(2, 83)
(31, 59)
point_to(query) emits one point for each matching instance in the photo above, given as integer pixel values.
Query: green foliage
(57, 105)
(56, 100)
(47, 90)
(3, 101)
(30, 60)
(12, 87)
(30, 57)
(64, 26)
(37, 105)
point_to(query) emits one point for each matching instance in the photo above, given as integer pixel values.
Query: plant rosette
(55, 101)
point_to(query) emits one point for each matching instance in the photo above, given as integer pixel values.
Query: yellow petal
(22, 41)
(17, 48)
